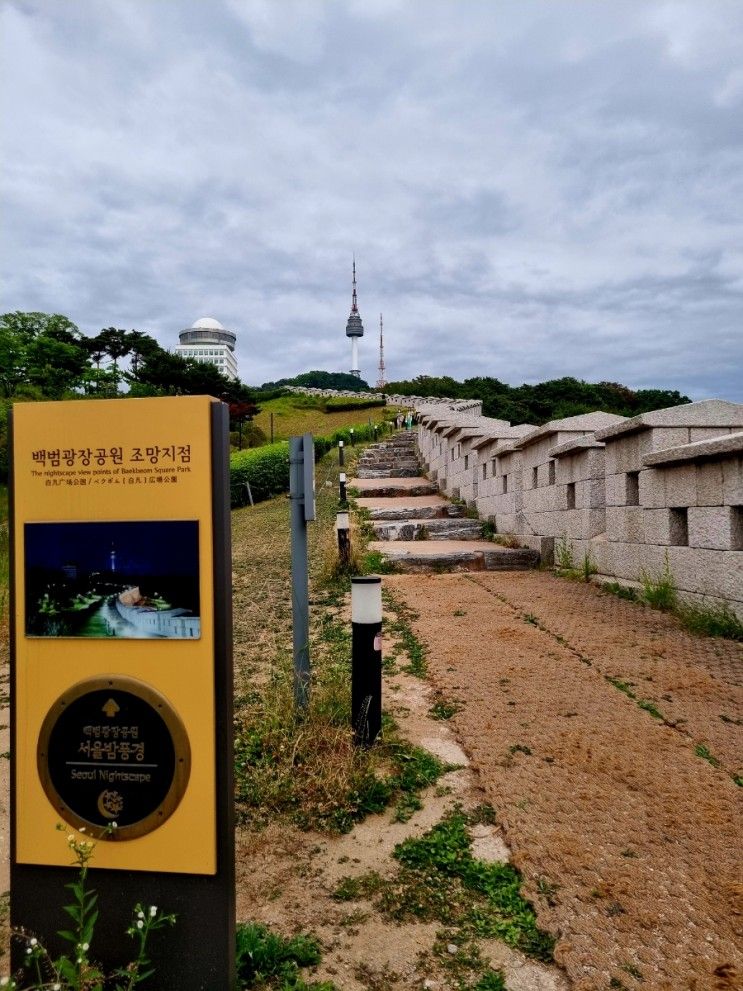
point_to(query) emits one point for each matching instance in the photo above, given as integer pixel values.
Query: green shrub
(342, 405)
(266, 469)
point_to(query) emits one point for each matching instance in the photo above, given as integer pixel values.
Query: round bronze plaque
(114, 757)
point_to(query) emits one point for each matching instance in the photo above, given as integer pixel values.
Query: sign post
(121, 674)
(302, 500)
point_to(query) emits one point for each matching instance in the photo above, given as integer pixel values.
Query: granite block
(716, 527)
(652, 488)
(709, 483)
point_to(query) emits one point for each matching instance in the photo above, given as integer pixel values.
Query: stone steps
(430, 529)
(431, 555)
(416, 529)
(386, 488)
(412, 512)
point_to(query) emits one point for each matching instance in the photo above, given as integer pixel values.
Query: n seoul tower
(354, 328)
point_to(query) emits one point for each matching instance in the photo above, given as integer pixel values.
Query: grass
(401, 629)
(621, 591)
(627, 689)
(440, 880)
(444, 709)
(701, 751)
(565, 565)
(297, 414)
(711, 621)
(660, 592)
(306, 768)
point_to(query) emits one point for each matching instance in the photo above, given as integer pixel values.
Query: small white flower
(33, 941)
(140, 914)
(4, 982)
(57, 987)
(114, 825)
(79, 959)
(86, 947)
(153, 910)
(82, 829)
(28, 949)
(70, 838)
(139, 923)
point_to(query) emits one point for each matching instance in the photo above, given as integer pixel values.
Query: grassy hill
(297, 414)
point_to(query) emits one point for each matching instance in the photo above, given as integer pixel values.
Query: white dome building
(208, 340)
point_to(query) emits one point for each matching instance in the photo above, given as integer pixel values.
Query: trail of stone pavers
(629, 840)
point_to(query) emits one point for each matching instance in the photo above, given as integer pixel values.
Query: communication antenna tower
(381, 381)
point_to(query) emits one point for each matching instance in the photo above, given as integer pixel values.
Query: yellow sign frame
(172, 437)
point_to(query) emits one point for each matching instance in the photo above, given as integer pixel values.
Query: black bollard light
(350, 430)
(341, 452)
(342, 486)
(343, 529)
(366, 658)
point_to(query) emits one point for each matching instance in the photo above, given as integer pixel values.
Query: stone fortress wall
(631, 495)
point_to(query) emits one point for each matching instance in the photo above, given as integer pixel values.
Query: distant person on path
(408, 420)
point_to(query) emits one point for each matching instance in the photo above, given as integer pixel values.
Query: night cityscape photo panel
(133, 580)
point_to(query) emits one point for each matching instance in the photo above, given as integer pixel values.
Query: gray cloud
(531, 190)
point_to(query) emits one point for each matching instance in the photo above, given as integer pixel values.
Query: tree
(41, 354)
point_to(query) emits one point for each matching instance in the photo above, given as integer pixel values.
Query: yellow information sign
(114, 632)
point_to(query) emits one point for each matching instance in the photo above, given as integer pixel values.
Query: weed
(506, 540)
(633, 971)
(443, 709)
(728, 719)
(406, 808)
(77, 971)
(400, 626)
(711, 621)
(616, 985)
(440, 879)
(530, 618)
(483, 815)
(626, 687)
(622, 591)
(459, 612)
(547, 889)
(623, 686)
(519, 748)
(375, 563)
(492, 980)
(738, 779)
(353, 888)
(659, 591)
(265, 960)
(701, 751)
(564, 559)
(588, 567)
(649, 707)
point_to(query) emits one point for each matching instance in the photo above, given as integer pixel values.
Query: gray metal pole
(300, 588)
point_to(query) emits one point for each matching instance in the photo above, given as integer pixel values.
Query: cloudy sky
(531, 189)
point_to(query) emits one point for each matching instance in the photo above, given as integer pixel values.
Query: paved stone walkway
(608, 740)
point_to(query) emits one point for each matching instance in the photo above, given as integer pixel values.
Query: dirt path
(617, 797)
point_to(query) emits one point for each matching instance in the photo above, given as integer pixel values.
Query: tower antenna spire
(354, 327)
(381, 381)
